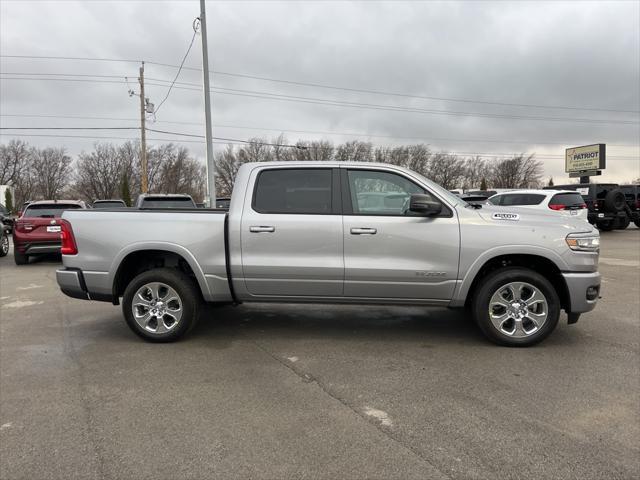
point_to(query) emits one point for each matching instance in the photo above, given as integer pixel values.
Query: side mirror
(421, 203)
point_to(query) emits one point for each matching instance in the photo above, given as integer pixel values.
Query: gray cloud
(583, 54)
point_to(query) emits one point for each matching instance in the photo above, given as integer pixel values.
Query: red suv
(37, 231)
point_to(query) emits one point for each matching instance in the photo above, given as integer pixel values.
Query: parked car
(605, 203)
(37, 231)
(223, 202)
(297, 232)
(632, 196)
(565, 202)
(7, 218)
(4, 239)
(481, 193)
(109, 204)
(474, 199)
(164, 200)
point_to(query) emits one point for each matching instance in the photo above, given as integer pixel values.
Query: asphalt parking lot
(268, 391)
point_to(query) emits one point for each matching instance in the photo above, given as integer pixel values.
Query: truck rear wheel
(516, 307)
(161, 305)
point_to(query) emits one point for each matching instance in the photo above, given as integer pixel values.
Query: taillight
(638, 204)
(583, 205)
(69, 246)
(554, 206)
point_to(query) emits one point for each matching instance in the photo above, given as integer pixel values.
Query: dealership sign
(585, 159)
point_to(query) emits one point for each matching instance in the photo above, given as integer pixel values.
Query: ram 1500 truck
(319, 232)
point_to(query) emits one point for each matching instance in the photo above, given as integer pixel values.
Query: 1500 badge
(514, 217)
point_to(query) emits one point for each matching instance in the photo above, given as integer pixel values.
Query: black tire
(615, 200)
(496, 281)
(637, 222)
(19, 258)
(189, 299)
(606, 226)
(622, 223)
(4, 245)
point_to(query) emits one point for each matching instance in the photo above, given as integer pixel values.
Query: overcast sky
(583, 55)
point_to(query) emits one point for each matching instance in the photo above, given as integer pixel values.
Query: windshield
(113, 204)
(48, 211)
(168, 202)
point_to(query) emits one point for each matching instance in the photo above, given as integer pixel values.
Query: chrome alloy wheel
(518, 309)
(157, 307)
(5, 244)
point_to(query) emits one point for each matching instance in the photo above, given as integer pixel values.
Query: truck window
(380, 193)
(521, 199)
(299, 191)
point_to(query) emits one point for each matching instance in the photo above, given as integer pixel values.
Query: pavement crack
(308, 378)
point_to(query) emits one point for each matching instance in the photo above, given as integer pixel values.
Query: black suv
(632, 195)
(606, 203)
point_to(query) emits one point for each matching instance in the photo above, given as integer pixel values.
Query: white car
(565, 202)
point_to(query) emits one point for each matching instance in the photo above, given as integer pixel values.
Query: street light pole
(211, 183)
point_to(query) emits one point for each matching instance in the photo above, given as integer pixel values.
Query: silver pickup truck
(318, 232)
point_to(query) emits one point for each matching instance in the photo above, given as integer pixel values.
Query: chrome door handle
(363, 231)
(262, 229)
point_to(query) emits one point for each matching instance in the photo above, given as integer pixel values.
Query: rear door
(390, 253)
(291, 233)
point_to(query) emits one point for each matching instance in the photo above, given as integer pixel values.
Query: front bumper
(584, 291)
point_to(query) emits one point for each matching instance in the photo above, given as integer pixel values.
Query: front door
(390, 252)
(291, 235)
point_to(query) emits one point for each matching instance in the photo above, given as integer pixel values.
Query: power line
(334, 87)
(233, 142)
(69, 128)
(195, 32)
(369, 106)
(217, 141)
(321, 132)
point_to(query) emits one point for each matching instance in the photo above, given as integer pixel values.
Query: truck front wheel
(516, 307)
(161, 305)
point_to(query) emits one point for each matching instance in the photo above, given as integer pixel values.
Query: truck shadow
(222, 325)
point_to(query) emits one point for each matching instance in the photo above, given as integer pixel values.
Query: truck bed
(106, 237)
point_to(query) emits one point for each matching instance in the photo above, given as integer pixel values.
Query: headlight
(584, 244)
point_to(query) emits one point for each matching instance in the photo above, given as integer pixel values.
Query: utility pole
(143, 134)
(211, 167)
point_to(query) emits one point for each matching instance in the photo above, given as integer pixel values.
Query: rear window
(113, 204)
(567, 199)
(49, 211)
(513, 199)
(160, 202)
(300, 191)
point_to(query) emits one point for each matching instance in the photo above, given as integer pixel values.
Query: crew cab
(37, 231)
(308, 232)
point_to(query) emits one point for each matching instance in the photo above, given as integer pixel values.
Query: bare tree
(14, 158)
(51, 170)
(475, 170)
(99, 174)
(446, 170)
(227, 165)
(517, 172)
(354, 151)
